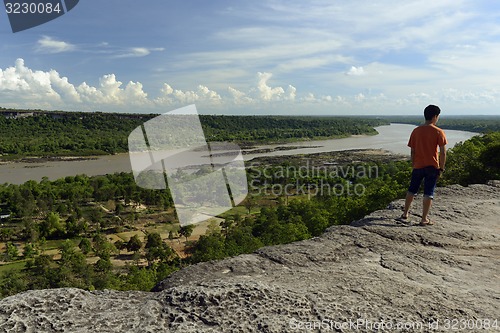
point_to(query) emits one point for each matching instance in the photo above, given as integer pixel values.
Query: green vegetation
(45, 133)
(57, 234)
(278, 129)
(73, 231)
(297, 214)
(62, 133)
(474, 161)
(478, 124)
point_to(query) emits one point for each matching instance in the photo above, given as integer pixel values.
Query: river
(392, 137)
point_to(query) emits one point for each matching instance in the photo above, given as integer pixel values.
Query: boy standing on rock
(427, 163)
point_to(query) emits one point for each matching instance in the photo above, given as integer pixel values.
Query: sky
(278, 57)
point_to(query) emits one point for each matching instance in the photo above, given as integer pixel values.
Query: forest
(52, 133)
(74, 231)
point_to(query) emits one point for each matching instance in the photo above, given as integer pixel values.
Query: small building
(16, 114)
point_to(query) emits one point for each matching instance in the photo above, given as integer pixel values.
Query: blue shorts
(429, 175)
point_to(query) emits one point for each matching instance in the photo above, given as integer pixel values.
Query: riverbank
(43, 159)
(333, 158)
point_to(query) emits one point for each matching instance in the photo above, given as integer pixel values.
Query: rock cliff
(377, 275)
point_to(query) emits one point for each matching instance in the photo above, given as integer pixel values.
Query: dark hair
(430, 111)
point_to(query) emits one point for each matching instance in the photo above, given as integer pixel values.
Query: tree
(140, 278)
(102, 247)
(6, 233)
(103, 265)
(213, 227)
(41, 244)
(226, 225)
(85, 246)
(51, 226)
(95, 215)
(153, 240)
(209, 247)
(163, 252)
(30, 229)
(71, 227)
(490, 158)
(11, 252)
(12, 283)
(72, 269)
(186, 231)
(41, 272)
(249, 203)
(134, 244)
(473, 161)
(120, 245)
(29, 251)
(157, 249)
(240, 240)
(118, 208)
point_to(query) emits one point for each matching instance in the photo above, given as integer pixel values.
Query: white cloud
(136, 52)
(10, 78)
(359, 97)
(208, 95)
(111, 92)
(50, 45)
(291, 93)
(266, 92)
(26, 83)
(239, 97)
(172, 96)
(309, 98)
(21, 87)
(61, 85)
(167, 89)
(355, 71)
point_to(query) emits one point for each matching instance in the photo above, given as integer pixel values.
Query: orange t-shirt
(425, 140)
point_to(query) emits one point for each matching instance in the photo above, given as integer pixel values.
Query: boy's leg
(408, 201)
(416, 178)
(427, 202)
(430, 180)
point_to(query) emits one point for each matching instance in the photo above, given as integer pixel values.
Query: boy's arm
(412, 156)
(442, 156)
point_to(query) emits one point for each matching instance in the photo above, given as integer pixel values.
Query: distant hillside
(478, 124)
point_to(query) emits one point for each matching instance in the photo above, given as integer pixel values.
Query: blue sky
(258, 57)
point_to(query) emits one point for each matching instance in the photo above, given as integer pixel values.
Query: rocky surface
(371, 276)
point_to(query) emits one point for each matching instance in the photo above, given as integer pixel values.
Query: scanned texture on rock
(379, 270)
